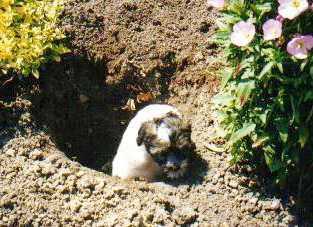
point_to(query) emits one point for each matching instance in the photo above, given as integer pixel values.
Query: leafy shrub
(27, 32)
(265, 106)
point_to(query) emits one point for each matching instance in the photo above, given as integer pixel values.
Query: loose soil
(58, 135)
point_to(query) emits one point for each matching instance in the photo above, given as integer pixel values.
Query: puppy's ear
(183, 137)
(186, 125)
(145, 132)
(169, 116)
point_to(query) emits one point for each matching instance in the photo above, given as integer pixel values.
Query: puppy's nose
(172, 162)
(172, 167)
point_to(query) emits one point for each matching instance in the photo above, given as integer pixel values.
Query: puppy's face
(168, 141)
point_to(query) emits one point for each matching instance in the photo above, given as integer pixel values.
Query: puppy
(157, 141)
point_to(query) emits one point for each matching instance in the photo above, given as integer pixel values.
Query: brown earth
(59, 134)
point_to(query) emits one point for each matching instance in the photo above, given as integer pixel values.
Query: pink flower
(219, 4)
(243, 33)
(272, 29)
(299, 46)
(280, 18)
(292, 8)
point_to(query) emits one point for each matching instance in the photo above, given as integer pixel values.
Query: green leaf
(35, 73)
(303, 136)
(260, 141)
(311, 71)
(226, 75)
(280, 67)
(246, 129)
(308, 96)
(56, 58)
(244, 91)
(267, 68)
(303, 64)
(282, 127)
(273, 164)
(264, 8)
(263, 116)
(26, 71)
(295, 111)
(61, 49)
(224, 100)
(248, 74)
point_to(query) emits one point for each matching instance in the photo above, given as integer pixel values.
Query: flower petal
(219, 4)
(308, 41)
(296, 48)
(292, 8)
(243, 33)
(272, 29)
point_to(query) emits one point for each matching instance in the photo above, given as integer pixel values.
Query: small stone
(61, 188)
(21, 151)
(234, 192)
(185, 215)
(80, 173)
(86, 211)
(249, 169)
(86, 182)
(11, 152)
(35, 168)
(253, 201)
(252, 184)
(47, 169)
(233, 184)
(83, 98)
(290, 220)
(275, 204)
(212, 190)
(100, 186)
(65, 172)
(75, 205)
(36, 154)
(251, 208)
(224, 224)
(217, 175)
(244, 181)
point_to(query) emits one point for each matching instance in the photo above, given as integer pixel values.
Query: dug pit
(86, 115)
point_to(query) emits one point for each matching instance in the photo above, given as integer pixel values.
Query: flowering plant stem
(264, 107)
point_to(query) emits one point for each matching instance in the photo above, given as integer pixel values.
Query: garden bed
(61, 132)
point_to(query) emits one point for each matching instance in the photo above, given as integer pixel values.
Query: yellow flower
(23, 44)
(5, 3)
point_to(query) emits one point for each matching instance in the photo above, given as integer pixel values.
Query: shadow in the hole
(13, 108)
(80, 111)
(74, 104)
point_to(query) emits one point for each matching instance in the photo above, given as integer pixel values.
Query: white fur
(132, 160)
(164, 133)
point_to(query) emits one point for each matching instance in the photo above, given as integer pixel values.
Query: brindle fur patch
(180, 139)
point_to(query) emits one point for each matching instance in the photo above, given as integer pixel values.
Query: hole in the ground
(76, 104)
(83, 113)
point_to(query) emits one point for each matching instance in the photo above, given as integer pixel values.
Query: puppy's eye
(160, 159)
(152, 149)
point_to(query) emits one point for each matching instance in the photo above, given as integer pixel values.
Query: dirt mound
(126, 54)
